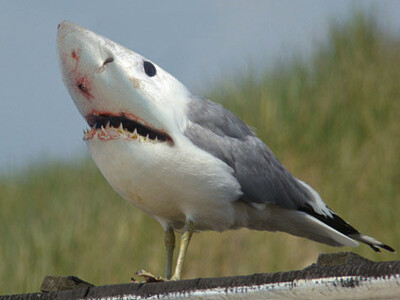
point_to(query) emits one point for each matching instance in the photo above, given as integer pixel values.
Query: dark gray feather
(262, 177)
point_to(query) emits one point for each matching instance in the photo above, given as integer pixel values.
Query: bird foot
(149, 277)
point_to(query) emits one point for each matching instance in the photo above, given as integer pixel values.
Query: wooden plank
(334, 276)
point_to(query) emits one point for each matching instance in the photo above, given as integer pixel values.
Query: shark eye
(149, 68)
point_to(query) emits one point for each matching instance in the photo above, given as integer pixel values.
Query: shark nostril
(108, 60)
(103, 66)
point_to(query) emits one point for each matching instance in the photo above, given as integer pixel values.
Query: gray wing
(262, 177)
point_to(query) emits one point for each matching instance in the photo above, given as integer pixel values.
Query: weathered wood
(341, 258)
(335, 276)
(60, 283)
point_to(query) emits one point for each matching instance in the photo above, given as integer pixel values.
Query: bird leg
(185, 239)
(169, 240)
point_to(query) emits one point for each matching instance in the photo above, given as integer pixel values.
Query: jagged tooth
(147, 138)
(102, 129)
(135, 132)
(108, 124)
(121, 128)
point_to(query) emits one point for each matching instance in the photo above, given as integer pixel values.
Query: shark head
(121, 94)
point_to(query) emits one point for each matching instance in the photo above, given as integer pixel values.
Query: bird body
(192, 184)
(185, 160)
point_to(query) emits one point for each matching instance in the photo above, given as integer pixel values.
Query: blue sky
(199, 42)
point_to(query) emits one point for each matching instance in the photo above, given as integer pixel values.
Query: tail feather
(337, 223)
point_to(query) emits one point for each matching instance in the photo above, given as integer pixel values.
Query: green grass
(333, 120)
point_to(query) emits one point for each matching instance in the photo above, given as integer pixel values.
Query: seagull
(186, 161)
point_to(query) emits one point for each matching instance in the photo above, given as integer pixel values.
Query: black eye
(149, 68)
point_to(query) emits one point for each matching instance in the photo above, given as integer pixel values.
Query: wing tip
(340, 225)
(383, 246)
(373, 243)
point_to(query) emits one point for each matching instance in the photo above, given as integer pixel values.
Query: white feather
(318, 205)
(173, 184)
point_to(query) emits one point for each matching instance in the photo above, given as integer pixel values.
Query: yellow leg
(169, 248)
(185, 239)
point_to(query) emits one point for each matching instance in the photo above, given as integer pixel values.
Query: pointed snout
(93, 48)
(66, 27)
(95, 70)
(80, 56)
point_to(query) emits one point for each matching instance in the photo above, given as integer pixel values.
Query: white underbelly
(174, 184)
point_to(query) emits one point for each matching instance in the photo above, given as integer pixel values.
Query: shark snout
(66, 27)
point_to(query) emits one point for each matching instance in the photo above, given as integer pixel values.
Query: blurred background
(318, 79)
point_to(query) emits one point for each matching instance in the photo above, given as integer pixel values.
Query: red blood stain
(83, 85)
(76, 55)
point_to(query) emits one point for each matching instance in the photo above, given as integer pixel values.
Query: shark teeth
(126, 125)
(120, 128)
(113, 133)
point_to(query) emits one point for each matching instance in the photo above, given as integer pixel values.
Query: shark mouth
(106, 126)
